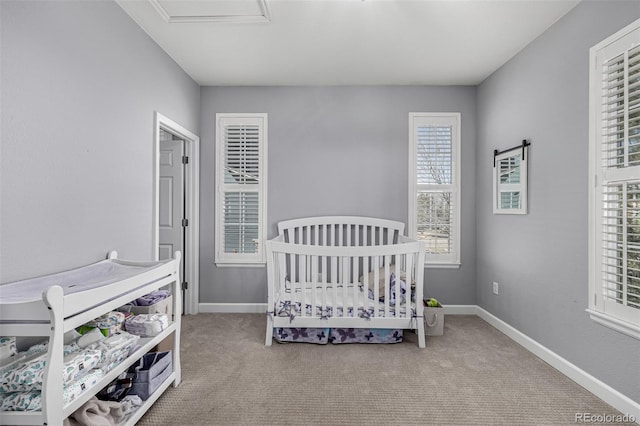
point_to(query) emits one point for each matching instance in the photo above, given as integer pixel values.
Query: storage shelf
(145, 345)
(48, 311)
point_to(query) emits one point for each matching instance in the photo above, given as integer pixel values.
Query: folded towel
(96, 413)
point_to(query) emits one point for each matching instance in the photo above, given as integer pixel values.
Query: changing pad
(72, 281)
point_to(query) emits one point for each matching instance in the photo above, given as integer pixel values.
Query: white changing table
(54, 304)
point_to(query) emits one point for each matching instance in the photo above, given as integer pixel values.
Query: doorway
(176, 195)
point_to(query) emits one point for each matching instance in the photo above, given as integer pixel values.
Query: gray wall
(540, 260)
(80, 84)
(335, 151)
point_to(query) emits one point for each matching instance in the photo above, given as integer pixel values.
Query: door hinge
(184, 285)
(185, 159)
(185, 222)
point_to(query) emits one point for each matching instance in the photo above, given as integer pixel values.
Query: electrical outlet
(496, 289)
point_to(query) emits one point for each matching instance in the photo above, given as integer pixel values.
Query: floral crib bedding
(322, 336)
(293, 307)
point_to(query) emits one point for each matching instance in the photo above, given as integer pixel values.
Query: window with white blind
(241, 182)
(614, 203)
(434, 185)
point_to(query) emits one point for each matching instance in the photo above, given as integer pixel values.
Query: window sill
(623, 327)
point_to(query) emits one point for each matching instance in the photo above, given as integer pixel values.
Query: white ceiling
(343, 42)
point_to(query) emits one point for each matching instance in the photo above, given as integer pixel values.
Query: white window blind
(434, 185)
(615, 197)
(241, 176)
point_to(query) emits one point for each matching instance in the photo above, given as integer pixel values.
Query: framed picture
(510, 181)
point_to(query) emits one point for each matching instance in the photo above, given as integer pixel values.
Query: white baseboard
(460, 309)
(243, 308)
(600, 389)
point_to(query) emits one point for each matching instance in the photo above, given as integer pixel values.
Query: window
(614, 195)
(241, 183)
(434, 185)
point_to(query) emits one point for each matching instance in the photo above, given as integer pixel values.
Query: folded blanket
(151, 298)
(96, 413)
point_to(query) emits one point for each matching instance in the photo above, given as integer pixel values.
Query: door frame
(192, 209)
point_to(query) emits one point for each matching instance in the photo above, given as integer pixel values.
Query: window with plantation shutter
(614, 276)
(241, 146)
(434, 185)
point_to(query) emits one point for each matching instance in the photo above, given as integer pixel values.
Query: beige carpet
(473, 375)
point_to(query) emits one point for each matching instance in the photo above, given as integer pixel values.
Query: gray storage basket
(151, 371)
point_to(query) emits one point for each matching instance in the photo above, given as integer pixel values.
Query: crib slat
(294, 281)
(354, 282)
(365, 283)
(387, 287)
(409, 268)
(314, 275)
(315, 235)
(282, 261)
(302, 278)
(324, 286)
(345, 283)
(334, 283)
(376, 286)
(332, 235)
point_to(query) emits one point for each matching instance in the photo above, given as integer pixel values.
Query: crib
(344, 272)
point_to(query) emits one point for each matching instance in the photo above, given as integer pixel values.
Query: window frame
(257, 259)
(622, 318)
(449, 260)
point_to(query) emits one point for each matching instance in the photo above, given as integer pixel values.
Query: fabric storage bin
(433, 321)
(146, 325)
(164, 306)
(151, 371)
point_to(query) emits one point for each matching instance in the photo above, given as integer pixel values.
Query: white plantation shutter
(241, 177)
(615, 156)
(434, 185)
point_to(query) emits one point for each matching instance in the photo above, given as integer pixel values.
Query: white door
(171, 192)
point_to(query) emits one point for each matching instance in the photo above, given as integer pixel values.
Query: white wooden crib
(342, 271)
